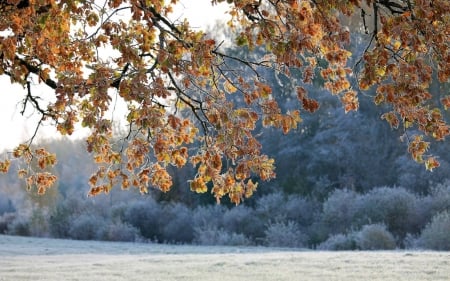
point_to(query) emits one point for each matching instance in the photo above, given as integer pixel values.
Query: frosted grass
(23, 258)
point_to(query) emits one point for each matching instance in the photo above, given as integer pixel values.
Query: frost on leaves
(179, 85)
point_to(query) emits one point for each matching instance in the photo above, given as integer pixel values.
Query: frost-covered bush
(146, 216)
(375, 237)
(215, 236)
(6, 205)
(441, 197)
(177, 224)
(20, 226)
(301, 210)
(208, 217)
(118, 210)
(5, 220)
(411, 241)
(119, 231)
(394, 207)
(339, 242)
(87, 227)
(339, 210)
(243, 219)
(284, 234)
(271, 207)
(38, 223)
(436, 234)
(61, 217)
(437, 201)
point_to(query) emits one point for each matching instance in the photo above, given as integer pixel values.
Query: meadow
(24, 258)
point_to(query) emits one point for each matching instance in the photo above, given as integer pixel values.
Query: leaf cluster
(177, 83)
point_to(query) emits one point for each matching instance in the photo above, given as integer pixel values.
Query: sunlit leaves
(392, 119)
(37, 161)
(418, 147)
(42, 180)
(189, 99)
(198, 185)
(160, 178)
(431, 163)
(350, 101)
(4, 166)
(308, 104)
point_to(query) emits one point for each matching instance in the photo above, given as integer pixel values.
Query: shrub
(270, 207)
(20, 226)
(214, 236)
(6, 205)
(284, 234)
(339, 242)
(339, 210)
(318, 232)
(145, 215)
(118, 210)
(119, 231)
(301, 210)
(436, 234)
(208, 217)
(242, 219)
(375, 237)
(5, 220)
(177, 224)
(61, 217)
(437, 201)
(441, 197)
(411, 241)
(38, 223)
(394, 207)
(87, 227)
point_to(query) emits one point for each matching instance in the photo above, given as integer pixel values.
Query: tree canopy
(179, 83)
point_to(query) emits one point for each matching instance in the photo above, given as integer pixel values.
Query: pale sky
(16, 128)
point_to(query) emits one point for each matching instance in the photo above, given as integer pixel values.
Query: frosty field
(23, 258)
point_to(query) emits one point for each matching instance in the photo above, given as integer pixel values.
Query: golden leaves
(431, 163)
(229, 87)
(160, 178)
(43, 181)
(446, 102)
(176, 82)
(417, 147)
(45, 158)
(136, 153)
(350, 101)
(4, 166)
(310, 105)
(391, 118)
(263, 89)
(198, 185)
(37, 159)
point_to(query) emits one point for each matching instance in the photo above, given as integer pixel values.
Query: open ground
(23, 258)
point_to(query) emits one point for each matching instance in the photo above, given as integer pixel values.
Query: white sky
(16, 129)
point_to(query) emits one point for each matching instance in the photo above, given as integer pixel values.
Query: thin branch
(106, 20)
(36, 70)
(194, 109)
(36, 105)
(375, 20)
(36, 130)
(116, 83)
(365, 50)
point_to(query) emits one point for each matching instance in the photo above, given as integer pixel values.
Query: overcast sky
(16, 128)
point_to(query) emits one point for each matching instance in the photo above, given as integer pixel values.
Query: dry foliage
(176, 80)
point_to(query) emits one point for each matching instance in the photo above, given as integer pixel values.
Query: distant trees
(342, 219)
(313, 210)
(384, 218)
